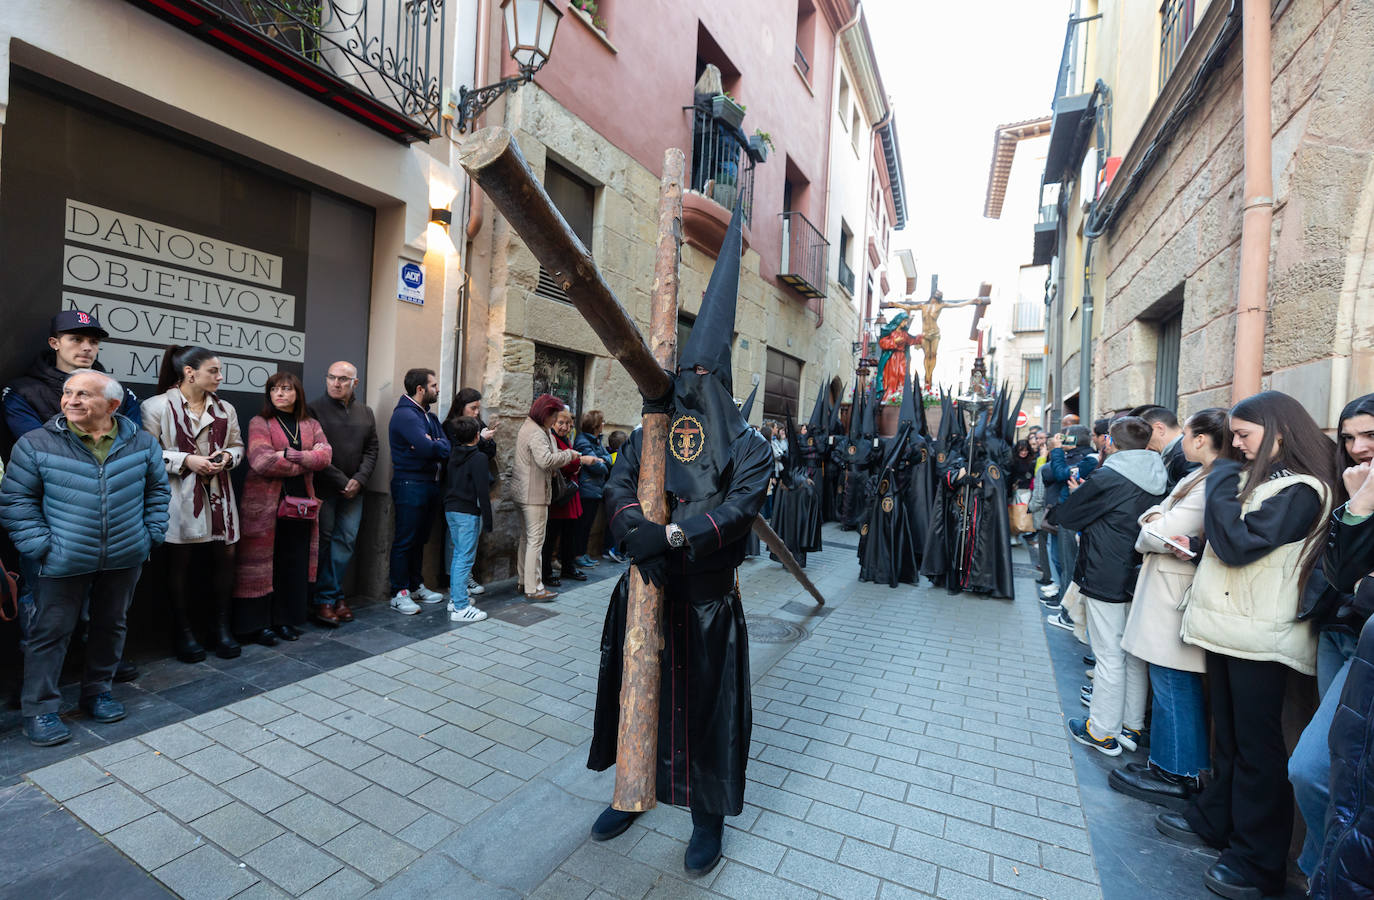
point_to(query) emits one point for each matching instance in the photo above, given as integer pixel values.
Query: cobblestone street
(905, 743)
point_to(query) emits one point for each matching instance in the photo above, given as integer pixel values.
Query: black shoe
(576, 575)
(125, 671)
(703, 850)
(1154, 785)
(265, 636)
(612, 823)
(103, 708)
(1090, 660)
(287, 633)
(226, 647)
(188, 649)
(46, 730)
(1226, 881)
(553, 581)
(1172, 824)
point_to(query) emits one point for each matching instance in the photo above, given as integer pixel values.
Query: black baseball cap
(74, 320)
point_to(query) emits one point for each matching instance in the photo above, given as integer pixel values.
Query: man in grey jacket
(84, 500)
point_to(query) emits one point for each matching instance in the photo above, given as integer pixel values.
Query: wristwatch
(677, 538)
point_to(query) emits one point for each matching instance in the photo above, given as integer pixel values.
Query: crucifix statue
(930, 314)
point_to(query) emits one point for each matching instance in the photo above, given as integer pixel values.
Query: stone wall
(623, 244)
(1180, 235)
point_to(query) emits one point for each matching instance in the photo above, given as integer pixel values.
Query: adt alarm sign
(410, 286)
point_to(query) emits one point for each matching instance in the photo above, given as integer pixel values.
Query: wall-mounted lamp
(530, 27)
(436, 233)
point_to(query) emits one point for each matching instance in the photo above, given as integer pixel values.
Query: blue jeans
(417, 504)
(1309, 768)
(1053, 543)
(1178, 733)
(339, 520)
(1068, 558)
(463, 530)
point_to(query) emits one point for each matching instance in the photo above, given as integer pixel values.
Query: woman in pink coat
(276, 559)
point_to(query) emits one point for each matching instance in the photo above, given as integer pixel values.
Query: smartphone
(1172, 543)
(1070, 440)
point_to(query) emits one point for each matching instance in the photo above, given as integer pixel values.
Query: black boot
(187, 648)
(612, 823)
(703, 850)
(225, 645)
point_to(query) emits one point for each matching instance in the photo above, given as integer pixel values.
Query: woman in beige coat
(1178, 735)
(201, 442)
(536, 457)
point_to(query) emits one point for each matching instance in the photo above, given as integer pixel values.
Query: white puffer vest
(1250, 612)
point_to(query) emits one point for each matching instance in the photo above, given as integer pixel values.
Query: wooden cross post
(637, 743)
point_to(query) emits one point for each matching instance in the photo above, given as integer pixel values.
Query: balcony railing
(1080, 42)
(804, 255)
(1028, 317)
(802, 64)
(846, 277)
(721, 166)
(1176, 25)
(378, 61)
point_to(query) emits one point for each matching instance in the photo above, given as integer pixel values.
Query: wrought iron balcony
(804, 256)
(722, 169)
(378, 61)
(1046, 234)
(1175, 29)
(846, 277)
(1072, 91)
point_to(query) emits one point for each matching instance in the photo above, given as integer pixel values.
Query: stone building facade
(1165, 272)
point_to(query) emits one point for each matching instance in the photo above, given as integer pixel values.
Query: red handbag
(307, 508)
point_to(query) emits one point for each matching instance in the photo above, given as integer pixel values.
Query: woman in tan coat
(536, 456)
(201, 442)
(1178, 735)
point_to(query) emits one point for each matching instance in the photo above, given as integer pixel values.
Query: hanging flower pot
(724, 107)
(758, 149)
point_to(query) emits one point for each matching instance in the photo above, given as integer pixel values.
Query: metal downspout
(1258, 209)
(1085, 341)
(1060, 294)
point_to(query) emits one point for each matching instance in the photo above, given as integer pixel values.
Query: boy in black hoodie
(1105, 509)
(467, 508)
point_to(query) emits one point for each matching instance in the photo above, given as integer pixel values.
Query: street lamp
(530, 28)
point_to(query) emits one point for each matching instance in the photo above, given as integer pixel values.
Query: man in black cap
(34, 398)
(717, 475)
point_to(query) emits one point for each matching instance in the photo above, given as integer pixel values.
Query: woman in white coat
(201, 442)
(1178, 736)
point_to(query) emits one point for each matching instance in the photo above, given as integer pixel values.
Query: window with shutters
(576, 200)
(1166, 360)
(1035, 373)
(781, 386)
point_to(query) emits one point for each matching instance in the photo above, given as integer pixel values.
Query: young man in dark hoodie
(467, 508)
(1105, 510)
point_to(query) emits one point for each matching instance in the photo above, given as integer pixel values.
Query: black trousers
(57, 608)
(563, 532)
(590, 506)
(287, 603)
(1247, 809)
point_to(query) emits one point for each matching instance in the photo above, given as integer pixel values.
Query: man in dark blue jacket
(419, 449)
(85, 501)
(1071, 458)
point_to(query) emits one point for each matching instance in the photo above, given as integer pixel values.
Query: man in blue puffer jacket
(84, 500)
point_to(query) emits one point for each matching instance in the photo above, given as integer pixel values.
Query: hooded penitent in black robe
(970, 544)
(796, 503)
(887, 554)
(716, 478)
(861, 456)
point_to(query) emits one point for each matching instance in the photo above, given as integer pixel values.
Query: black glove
(646, 542)
(662, 404)
(654, 570)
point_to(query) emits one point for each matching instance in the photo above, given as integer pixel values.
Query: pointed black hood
(908, 413)
(713, 331)
(793, 462)
(748, 406)
(705, 421)
(818, 411)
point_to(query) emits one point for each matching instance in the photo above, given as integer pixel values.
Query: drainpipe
(1060, 296)
(1085, 346)
(1258, 209)
(479, 76)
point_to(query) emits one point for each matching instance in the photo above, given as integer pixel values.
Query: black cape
(968, 547)
(704, 701)
(888, 554)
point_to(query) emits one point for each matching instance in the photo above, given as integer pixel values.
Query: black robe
(797, 514)
(887, 554)
(969, 545)
(916, 476)
(705, 716)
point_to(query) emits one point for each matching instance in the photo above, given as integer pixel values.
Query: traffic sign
(1022, 419)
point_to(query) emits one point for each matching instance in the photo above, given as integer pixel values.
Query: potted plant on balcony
(727, 109)
(760, 142)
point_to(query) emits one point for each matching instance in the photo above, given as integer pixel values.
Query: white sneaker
(468, 613)
(403, 604)
(474, 587)
(425, 595)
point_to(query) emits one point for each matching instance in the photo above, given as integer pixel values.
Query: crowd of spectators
(1209, 562)
(99, 484)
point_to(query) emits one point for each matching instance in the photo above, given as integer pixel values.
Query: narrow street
(905, 743)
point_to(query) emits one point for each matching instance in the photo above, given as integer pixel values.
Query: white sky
(955, 71)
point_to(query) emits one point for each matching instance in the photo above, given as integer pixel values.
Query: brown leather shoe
(343, 612)
(325, 615)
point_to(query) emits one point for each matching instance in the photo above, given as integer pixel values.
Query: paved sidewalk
(905, 742)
